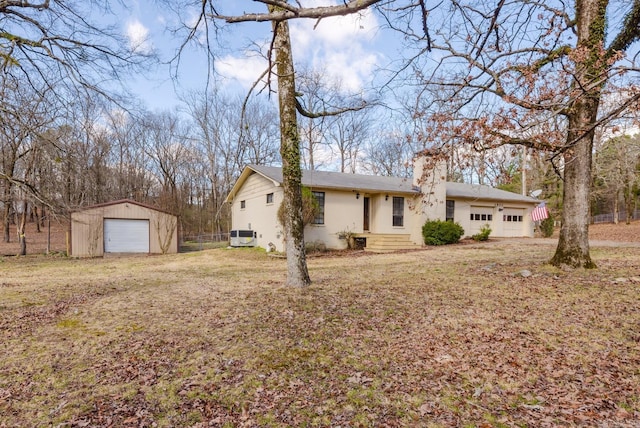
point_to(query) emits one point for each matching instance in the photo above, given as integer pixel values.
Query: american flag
(540, 212)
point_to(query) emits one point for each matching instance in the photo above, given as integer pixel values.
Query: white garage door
(480, 216)
(126, 236)
(513, 222)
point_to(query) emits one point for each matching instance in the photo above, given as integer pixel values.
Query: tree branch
(287, 11)
(311, 115)
(629, 33)
(21, 3)
(492, 25)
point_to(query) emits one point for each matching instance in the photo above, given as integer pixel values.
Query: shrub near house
(439, 232)
(483, 235)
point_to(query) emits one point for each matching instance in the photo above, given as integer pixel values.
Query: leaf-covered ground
(475, 335)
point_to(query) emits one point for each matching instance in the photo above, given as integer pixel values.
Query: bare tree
(56, 42)
(347, 133)
(617, 173)
(298, 274)
(259, 127)
(73, 171)
(167, 144)
(511, 68)
(388, 153)
(278, 13)
(315, 94)
(24, 116)
(229, 133)
(127, 157)
(55, 50)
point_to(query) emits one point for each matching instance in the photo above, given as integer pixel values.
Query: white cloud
(138, 36)
(338, 31)
(245, 70)
(350, 68)
(343, 47)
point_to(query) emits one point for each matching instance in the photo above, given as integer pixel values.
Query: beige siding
(514, 221)
(383, 215)
(345, 213)
(258, 215)
(86, 234)
(499, 227)
(431, 204)
(481, 213)
(87, 239)
(342, 213)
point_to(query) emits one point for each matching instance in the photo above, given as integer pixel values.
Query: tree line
(486, 75)
(60, 157)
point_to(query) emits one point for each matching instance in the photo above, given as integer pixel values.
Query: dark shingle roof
(339, 180)
(478, 191)
(374, 183)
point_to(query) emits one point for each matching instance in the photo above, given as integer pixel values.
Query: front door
(365, 222)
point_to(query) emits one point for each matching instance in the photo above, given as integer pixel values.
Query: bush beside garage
(123, 227)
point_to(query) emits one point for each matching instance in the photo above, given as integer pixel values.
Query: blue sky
(349, 49)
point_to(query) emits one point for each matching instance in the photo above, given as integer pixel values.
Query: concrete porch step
(384, 243)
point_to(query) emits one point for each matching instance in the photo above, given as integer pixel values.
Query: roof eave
(122, 201)
(246, 172)
(363, 189)
(493, 199)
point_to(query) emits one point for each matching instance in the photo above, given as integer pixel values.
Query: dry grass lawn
(443, 337)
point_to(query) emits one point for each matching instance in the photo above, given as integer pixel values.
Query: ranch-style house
(383, 213)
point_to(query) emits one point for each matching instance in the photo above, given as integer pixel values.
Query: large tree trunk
(573, 244)
(297, 272)
(6, 220)
(628, 200)
(6, 212)
(37, 215)
(21, 226)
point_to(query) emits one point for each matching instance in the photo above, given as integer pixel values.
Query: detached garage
(123, 226)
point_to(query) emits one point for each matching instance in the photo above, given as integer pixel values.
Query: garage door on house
(513, 219)
(126, 236)
(480, 216)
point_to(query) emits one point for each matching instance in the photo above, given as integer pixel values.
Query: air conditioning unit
(242, 238)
